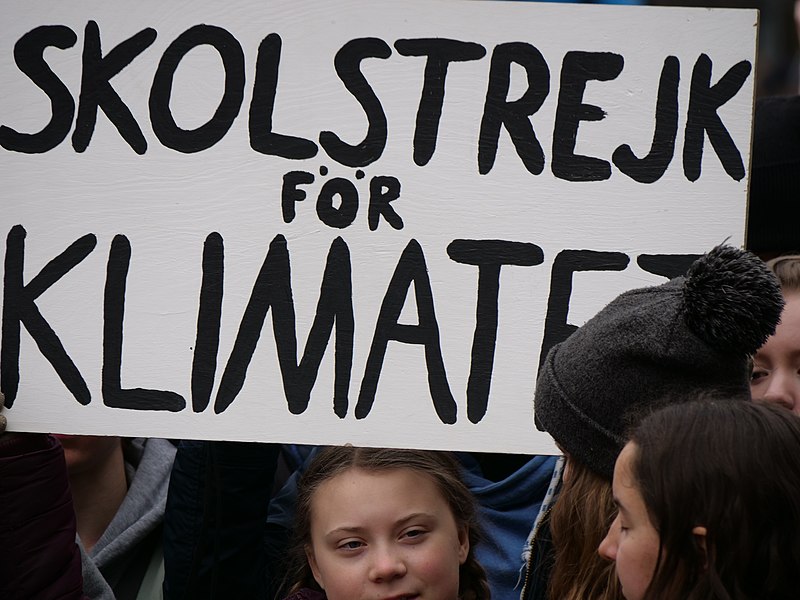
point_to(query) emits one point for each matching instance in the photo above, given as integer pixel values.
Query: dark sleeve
(40, 559)
(216, 519)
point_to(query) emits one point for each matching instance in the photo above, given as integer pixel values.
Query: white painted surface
(167, 202)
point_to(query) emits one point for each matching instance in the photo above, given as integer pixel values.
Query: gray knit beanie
(692, 334)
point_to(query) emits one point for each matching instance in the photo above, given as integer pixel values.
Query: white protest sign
(328, 222)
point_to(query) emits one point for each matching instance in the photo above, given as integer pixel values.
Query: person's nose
(387, 563)
(784, 389)
(608, 547)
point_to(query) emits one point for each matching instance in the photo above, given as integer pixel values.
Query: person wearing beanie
(691, 336)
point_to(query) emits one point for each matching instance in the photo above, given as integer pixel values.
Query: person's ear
(700, 539)
(463, 544)
(312, 563)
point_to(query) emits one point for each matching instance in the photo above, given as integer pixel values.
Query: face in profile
(632, 541)
(385, 534)
(776, 365)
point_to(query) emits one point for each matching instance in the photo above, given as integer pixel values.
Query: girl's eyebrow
(414, 516)
(356, 529)
(344, 530)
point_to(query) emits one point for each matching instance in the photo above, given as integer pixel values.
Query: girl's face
(382, 535)
(776, 365)
(632, 541)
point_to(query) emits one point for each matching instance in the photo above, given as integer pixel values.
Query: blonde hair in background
(787, 270)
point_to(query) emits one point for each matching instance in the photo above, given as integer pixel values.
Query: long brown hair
(441, 467)
(579, 521)
(734, 469)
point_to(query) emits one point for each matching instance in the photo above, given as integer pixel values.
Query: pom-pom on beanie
(691, 335)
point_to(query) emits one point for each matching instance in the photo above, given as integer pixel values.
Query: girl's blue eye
(414, 535)
(351, 545)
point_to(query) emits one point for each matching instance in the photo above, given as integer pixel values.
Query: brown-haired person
(709, 504)
(776, 365)
(647, 347)
(385, 523)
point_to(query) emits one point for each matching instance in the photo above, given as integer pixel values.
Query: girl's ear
(463, 544)
(700, 534)
(312, 562)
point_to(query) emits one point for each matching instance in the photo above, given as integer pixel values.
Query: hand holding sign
(15, 444)
(5, 438)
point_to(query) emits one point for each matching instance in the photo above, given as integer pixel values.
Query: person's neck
(97, 495)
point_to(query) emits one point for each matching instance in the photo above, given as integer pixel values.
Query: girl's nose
(608, 547)
(387, 564)
(784, 390)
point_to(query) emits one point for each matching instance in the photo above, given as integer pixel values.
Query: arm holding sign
(57, 491)
(37, 528)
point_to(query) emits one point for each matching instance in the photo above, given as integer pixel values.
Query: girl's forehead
(363, 496)
(623, 469)
(388, 480)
